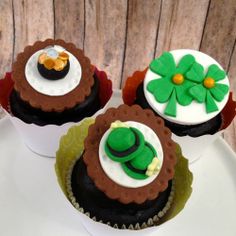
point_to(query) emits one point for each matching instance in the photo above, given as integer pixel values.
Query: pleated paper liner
(70, 150)
(192, 147)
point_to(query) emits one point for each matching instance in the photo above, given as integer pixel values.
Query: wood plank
(181, 24)
(6, 36)
(230, 133)
(34, 20)
(143, 22)
(220, 31)
(105, 27)
(69, 21)
(218, 41)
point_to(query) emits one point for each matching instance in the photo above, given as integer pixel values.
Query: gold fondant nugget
(57, 63)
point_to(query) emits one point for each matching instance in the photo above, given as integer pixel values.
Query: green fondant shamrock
(173, 85)
(207, 88)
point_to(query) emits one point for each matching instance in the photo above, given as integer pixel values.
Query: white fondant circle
(53, 87)
(195, 113)
(114, 169)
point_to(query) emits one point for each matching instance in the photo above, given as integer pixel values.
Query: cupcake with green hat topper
(123, 170)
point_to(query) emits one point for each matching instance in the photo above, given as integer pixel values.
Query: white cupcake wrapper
(44, 140)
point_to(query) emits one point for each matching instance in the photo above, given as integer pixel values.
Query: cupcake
(123, 170)
(188, 89)
(53, 84)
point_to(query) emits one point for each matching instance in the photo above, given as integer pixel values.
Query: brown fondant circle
(52, 103)
(94, 168)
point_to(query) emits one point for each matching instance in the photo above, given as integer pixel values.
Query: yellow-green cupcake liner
(71, 148)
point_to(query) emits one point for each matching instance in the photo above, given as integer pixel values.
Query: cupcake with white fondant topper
(51, 85)
(187, 88)
(123, 170)
(54, 83)
(191, 92)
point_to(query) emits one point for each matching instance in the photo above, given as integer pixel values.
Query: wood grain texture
(34, 20)
(219, 41)
(230, 133)
(105, 29)
(69, 23)
(181, 24)
(6, 36)
(142, 27)
(220, 31)
(232, 70)
(123, 36)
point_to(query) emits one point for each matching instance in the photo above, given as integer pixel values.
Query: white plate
(31, 202)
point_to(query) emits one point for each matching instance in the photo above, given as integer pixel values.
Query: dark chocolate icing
(209, 127)
(28, 114)
(53, 74)
(92, 200)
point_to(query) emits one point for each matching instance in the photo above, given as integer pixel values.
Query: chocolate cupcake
(190, 91)
(187, 88)
(54, 83)
(123, 169)
(52, 86)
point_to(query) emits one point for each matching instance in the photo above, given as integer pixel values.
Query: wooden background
(121, 36)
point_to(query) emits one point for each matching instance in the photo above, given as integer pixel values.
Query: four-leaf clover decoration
(186, 82)
(173, 85)
(207, 88)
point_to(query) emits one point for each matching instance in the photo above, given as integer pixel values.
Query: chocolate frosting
(52, 103)
(102, 181)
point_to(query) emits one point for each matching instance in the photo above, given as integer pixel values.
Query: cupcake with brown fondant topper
(123, 170)
(189, 90)
(54, 84)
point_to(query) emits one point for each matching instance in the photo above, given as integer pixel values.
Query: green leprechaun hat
(123, 142)
(144, 164)
(127, 145)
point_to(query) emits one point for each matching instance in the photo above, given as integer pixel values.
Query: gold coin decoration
(63, 56)
(42, 57)
(50, 63)
(59, 65)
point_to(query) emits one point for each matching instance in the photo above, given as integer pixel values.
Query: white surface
(53, 87)
(195, 113)
(193, 148)
(37, 137)
(32, 203)
(114, 169)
